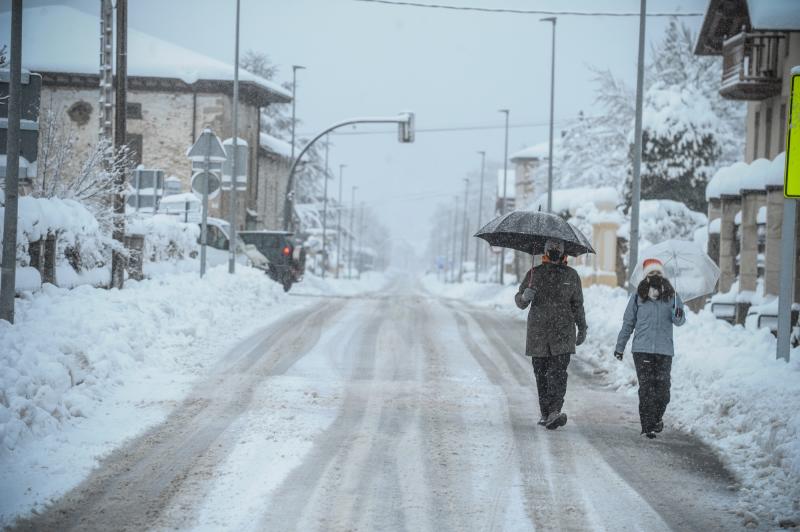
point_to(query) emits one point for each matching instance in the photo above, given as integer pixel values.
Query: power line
(527, 11)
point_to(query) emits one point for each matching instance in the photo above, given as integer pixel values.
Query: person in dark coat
(651, 313)
(553, 291)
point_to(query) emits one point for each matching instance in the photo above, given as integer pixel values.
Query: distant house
(527, 177)
(173, 93)
(759, 42)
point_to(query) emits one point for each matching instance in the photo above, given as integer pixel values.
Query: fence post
(49, 262)
(35, 254)
(135, 246)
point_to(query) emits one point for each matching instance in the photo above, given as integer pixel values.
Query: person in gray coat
(651, 313)
(555, 296)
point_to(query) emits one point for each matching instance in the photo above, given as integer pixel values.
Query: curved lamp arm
(406, 134)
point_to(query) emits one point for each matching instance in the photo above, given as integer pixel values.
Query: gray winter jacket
(652, 322)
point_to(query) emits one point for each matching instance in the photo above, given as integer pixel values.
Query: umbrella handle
(530, 277)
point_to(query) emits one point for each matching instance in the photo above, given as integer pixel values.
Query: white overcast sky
(450, 68)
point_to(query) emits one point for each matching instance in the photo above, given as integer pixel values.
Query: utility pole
(120, 140)
(8, 273)
(505, 194)
(352, 215)
(552, 100)
(360, 263)
(464, 238)
(106, 70)
(480, 213)
(636, 189)
(325, 208)
(290, 199)
(455, 239)
(339, 224)
(234, 165)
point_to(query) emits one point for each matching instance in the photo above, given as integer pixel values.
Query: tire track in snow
(134, 484)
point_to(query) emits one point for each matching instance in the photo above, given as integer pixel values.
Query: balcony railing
(750, 66)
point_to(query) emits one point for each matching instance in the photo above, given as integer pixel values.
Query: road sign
(242, 151)
(207, 146)
(29, 124)
(202, 180)
(791, 177)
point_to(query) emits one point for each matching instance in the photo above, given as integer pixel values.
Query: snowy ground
(727, 388)
(83, 370)
(394, 411)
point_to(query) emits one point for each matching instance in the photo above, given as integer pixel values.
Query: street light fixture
(505, 192)
(480, 212)
(339, 223)
(552, 100)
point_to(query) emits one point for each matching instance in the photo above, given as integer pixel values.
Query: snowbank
(727, 388)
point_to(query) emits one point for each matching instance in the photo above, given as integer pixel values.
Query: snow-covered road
(396, 412)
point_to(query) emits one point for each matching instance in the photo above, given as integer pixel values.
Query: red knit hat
(652, 265)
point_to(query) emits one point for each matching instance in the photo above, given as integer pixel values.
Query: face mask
(554, 255)
(655, 281)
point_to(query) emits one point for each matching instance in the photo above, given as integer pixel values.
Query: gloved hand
(618, 354)
(581, 337)
(678, 313)
(527, 295)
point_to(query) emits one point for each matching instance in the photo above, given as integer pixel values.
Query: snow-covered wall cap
(755, 177)
(44, 29)
(713, 186)
(731, 184)
(276, 145)
(537, 151)
(776, 171)
(796, 70)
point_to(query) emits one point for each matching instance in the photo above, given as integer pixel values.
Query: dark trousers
(551, 382)
(653, 372)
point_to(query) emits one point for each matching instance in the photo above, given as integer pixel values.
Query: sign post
(207, 149)
(791, 191)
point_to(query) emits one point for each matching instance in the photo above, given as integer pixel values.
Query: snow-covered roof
(537, 151)
(775, 173)
(276, 145)
(570, 199)
(774, 14)
(47, 27)
(510, 188)
(755, 176)
(179, 199)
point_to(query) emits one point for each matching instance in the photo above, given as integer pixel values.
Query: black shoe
(542, 421)
(555, 420)
(658, 427)
(651, 435)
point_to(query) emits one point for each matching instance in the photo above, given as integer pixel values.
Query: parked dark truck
(287, 258)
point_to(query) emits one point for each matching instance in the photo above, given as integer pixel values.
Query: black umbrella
(527, 231)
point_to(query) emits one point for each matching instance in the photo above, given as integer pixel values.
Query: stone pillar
(714, 213)
(752, 200)
(604, 241)
(730, 205)
(772, 259)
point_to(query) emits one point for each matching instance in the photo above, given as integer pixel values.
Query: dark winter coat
(556, 309)
(651, 324)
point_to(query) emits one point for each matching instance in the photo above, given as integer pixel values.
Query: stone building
(173, 93)
(759, 43)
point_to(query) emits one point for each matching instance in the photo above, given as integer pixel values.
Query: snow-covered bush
(165, 237)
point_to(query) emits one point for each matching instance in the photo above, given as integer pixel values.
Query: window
(782, 131)
(756, 126)
(135, 145)
(133, 110)
(767, 132)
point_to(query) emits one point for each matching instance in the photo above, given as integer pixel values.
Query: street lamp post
(552, 100)
(455, 239)
(352, 213)
(295, 68)
(480, 213)
(464, 238)
(636, 188)
(339, 224)
(325, 208)
(505, 193)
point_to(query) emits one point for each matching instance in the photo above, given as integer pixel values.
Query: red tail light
(287, 250)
